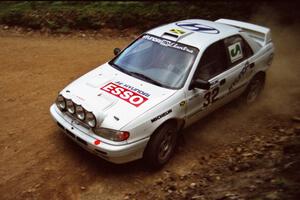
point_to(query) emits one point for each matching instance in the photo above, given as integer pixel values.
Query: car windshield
(156, 60)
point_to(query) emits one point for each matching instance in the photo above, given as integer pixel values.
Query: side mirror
(117, 51)
(201, 84)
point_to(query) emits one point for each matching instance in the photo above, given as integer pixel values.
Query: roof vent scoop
(169, 35)
(175, 34)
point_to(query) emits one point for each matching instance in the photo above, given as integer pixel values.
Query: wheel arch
(260, 74)
(179, 123)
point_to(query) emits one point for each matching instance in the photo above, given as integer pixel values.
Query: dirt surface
(238, 152)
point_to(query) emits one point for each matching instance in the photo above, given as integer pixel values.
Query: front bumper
(82, 136)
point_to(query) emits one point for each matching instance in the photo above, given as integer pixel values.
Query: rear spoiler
(259, 33)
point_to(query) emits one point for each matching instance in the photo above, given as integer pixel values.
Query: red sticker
(123, 93)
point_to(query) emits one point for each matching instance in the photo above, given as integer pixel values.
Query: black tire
(253, 91)
(161, 146)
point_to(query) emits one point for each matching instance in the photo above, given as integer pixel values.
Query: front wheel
(254, 89)
(161, 146)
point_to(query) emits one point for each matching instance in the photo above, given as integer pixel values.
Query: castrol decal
(123, 93)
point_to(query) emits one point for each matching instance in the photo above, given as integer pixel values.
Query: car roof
(195, 32)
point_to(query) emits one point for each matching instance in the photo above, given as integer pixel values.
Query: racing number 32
(211, 96)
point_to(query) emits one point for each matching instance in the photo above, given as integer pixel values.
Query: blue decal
(197, 27)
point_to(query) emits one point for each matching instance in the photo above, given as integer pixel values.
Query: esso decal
(197, 27)
(123, 93)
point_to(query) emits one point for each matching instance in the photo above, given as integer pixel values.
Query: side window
(248, 49)
(212, 62)
(237, 49)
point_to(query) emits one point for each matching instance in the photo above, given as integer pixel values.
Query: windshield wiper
(146, 78)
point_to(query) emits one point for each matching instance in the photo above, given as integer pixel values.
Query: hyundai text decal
(123, 93)
(197, 27)
(133, 88)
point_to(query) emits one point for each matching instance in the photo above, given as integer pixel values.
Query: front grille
(102, 152)
(70, 133)
(61, 126)
(77, 121)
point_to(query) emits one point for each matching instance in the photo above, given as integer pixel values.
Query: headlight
(113, 135)
(80, 113)
(90, 119)
(70, 106)
(60, 102)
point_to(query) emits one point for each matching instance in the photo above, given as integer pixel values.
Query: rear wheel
(254, 89)
(161, 146)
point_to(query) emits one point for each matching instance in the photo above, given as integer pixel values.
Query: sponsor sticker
(235, 51)
(161, 115)
(177, 31)
(182, 104)
(125, 94)
(168, 43)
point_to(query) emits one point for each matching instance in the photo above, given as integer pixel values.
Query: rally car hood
(114, 97)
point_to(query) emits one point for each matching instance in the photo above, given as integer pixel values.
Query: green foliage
(63, 29)
(66, 15)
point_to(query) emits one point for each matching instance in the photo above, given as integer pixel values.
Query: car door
(224, 64)
(210, 68)
(239, 68)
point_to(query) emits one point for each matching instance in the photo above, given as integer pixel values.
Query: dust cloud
(282, 92)
(280, 98)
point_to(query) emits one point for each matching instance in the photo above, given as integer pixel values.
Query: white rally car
(133, 106)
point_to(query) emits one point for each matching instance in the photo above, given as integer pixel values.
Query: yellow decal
(177, 31)
(182, 104)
